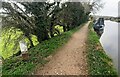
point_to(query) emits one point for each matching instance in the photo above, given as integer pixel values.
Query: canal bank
(99, 62)
(109, 41)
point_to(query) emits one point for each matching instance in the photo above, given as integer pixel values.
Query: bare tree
(92, 6)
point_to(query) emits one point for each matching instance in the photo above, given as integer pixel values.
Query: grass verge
(15, 66)
(99, 63)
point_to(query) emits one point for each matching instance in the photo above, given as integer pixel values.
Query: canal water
(109, 41)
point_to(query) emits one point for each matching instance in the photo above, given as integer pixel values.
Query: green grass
(99, 63)
(15, 65)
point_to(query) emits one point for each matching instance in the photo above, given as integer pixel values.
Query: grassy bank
(99, 63)
(15, 66)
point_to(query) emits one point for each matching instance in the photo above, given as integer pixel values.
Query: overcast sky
(110, 8)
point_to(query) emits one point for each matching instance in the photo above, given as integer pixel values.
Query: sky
(110, 8)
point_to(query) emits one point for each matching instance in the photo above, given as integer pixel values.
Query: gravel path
(70, 59)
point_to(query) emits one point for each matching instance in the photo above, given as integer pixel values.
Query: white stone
(23, 46)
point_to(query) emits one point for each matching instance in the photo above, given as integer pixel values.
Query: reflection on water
(109, 41)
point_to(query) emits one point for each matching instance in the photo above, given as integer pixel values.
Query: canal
(109, 41)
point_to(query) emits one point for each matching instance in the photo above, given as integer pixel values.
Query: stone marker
(24, 50)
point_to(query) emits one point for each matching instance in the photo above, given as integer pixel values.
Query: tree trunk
(46, 36)
(51, 30)
(52, 25)
(68, 27)
(64, 28)
(42, 35)
(31, 42)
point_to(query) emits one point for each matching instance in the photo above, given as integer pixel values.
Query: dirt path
(70, 59)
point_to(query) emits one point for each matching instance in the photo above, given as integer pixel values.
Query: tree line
(40, 18)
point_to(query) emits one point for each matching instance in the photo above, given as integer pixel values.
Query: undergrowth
(99, 63)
